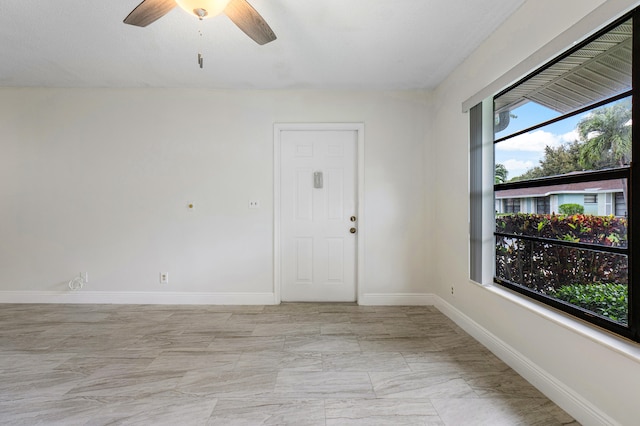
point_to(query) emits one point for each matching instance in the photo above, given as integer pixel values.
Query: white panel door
(317, 201)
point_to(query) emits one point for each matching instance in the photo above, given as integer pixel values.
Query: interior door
(318, 215)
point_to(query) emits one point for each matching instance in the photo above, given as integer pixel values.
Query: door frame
(278, 128)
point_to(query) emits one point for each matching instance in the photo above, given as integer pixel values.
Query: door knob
(352, 230)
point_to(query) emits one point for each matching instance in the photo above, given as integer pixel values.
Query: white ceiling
(330, 44)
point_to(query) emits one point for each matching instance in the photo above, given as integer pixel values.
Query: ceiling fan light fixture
(203, 8)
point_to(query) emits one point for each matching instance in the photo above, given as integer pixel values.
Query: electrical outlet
(451, 289)
(164, 278)
(254, 204)
(84, 276)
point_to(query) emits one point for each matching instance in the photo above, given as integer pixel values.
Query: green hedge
(571, 209)
(606, 299)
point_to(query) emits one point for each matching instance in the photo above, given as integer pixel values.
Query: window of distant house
(621, 205)
(591, 198)
(564, 130)
(543, 205)
(512, 205)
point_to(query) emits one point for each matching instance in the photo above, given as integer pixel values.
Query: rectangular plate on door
(317, 179)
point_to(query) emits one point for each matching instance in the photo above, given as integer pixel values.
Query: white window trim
(488, 203)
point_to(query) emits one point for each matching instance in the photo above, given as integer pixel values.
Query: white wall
(98, 180)
(603, 381)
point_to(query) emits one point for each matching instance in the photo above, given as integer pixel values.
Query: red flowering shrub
(582, 228)
(546, 267)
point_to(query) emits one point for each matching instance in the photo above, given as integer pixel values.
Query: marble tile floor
(292, 364)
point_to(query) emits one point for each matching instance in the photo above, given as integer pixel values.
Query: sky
(524, 152)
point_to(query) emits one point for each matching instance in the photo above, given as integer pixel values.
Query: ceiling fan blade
(248, 20)
(149, 11)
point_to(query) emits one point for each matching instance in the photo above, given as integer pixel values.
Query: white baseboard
(565, 397)
(396, 299)
(180, 298)
(137, 298)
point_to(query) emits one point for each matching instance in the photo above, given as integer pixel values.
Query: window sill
(602, 337)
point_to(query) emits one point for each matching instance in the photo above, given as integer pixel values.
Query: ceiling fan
(239, 11)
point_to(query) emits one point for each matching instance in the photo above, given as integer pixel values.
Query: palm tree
(501, 173)
(606, 137)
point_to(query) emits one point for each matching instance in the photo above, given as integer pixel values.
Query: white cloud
(571, 136)
(517, 167)
(524, 152)
(536, 141)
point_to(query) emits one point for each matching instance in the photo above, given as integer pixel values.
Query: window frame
(632, 329)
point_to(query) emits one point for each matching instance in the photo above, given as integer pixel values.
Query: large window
(563, 145)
